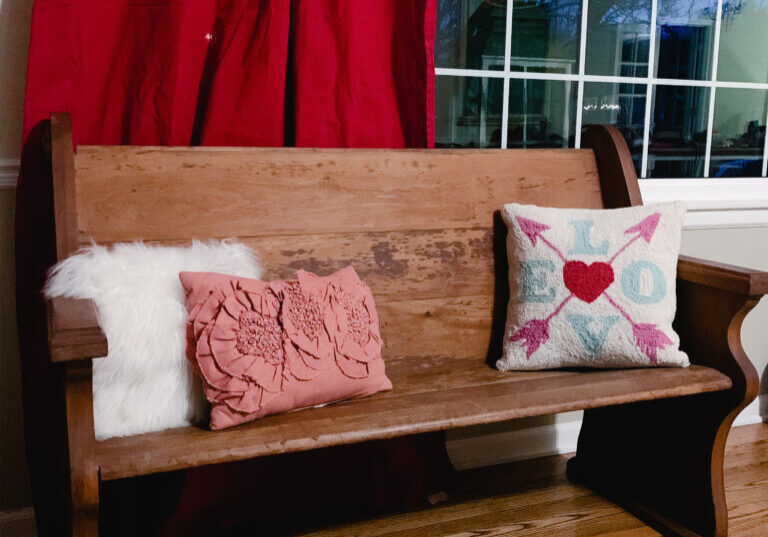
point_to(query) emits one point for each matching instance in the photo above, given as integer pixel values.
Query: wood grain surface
(125, 193)
(429, 395)
(74, 332)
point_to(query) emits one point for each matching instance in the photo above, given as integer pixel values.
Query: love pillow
(266, 347)
(592, 288)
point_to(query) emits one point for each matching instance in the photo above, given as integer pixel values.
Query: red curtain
(333, 73)
(325, 73)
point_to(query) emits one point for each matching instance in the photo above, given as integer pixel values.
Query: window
(685, 81)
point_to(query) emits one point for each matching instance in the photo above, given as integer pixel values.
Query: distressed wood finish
(397, 264)
(722, 276)
(63, 173)
(74, 332)
(123, 192)
(83, 467)
(428, 396)
(423, 229)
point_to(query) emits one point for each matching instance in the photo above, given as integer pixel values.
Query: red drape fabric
(214, 72)
(369, 85)
(326, 73)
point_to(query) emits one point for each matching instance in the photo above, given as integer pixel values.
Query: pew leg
(661, 460)
(83, 470)
(85, 502)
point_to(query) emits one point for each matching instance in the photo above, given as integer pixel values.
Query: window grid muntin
(712, 91)
(581, 77)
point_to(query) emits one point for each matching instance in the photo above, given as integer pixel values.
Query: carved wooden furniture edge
(722, 276)
(73, 330)
(720, 296)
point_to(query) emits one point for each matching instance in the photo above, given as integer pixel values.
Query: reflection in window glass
(744, 41)
(621, 105)
(685, 35)
(617, 78)
(470, 34)
(618, 37)
(678, 131)
(468, 111)
(542, 113)
(545, 36)
(738, 133)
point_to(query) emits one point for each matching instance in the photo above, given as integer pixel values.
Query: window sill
(713, 203)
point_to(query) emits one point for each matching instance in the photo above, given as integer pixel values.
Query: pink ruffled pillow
(263, 348)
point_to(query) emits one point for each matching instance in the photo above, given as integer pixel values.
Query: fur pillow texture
(145, 383)
(267, 347)
(592, 288)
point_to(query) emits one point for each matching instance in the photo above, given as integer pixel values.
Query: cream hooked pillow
(145, 383)
(592, 288)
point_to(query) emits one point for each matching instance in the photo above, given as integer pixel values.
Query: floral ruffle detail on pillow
(263, 348)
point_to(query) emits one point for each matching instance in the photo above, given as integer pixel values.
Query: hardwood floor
(533, 498)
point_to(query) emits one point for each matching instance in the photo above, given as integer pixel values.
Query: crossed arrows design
(587, 283)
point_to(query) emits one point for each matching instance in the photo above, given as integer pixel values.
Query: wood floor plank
(533, 498)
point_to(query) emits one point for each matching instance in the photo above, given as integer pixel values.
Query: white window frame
(727, 202)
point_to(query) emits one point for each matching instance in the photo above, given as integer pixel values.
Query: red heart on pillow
(587, 282)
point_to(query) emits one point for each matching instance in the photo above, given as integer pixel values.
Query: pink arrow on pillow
(533, 230)
(536, 331)
(645, 230)
(647, 337)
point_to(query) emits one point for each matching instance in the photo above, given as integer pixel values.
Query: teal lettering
(533, 280)
(582, 244)
(630, 283)
(592, 341)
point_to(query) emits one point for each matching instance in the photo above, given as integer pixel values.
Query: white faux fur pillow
(592, 288)
(145, 383)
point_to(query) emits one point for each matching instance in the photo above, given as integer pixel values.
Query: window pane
(542, 113)
(468, 111)
(744, 41)
(621, 105)
(470, 34)
(545, 36)
(678, 132)
(618, 35)
(739, 133)
(685, 34)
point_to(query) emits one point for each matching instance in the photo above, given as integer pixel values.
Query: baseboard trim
(512, 446)
(543, 441)
(9, 172)
(12, 515)
(752, 414)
